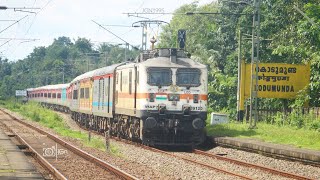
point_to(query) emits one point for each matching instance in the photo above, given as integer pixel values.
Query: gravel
(70, 165)
(146, 164)
(287, 166)
(238, 169)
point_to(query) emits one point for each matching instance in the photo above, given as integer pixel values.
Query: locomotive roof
(165, 62)
(97, 72)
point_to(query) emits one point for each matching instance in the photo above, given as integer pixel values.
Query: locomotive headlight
(174, 97)
(196, 98)
(150, 122)
(151, 97)
(197, 123)
(186, 109)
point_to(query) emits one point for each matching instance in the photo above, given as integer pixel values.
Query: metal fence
(265, 114)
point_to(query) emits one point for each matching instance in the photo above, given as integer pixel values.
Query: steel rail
(91, 158)
(271, 170)
(37, 156)
(179, 157)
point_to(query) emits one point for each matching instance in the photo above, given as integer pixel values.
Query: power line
(135, 14)
(19, 39)
(5, 43)
(20, 9)
(12, 23)
(5, 20)
(116, 25)
(114, 34)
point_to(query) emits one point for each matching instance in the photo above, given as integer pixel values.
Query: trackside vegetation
(298, 130)
(48, 118)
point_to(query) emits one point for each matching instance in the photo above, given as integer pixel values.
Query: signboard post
(21, 93)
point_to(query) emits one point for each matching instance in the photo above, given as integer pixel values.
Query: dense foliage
(287, 37)
(58, 63)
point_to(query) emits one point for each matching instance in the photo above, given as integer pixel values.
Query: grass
(274, 133)
(301, 138)
(7, 170)
(52, 120)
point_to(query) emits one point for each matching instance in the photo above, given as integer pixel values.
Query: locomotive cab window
(159, 76)
(188, 77)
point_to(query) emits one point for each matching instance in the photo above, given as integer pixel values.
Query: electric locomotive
(161, 99)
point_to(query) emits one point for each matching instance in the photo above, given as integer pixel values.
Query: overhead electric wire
(13, 24)
(34, 18)
(19, 39)
(125, 33)
(5, 43)
(5, 20)
(113, 34)
(31, 24)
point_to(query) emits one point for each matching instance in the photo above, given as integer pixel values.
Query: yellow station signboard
(276, 80)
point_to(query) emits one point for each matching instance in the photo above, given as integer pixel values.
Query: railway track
(273, 173)
(75, 164)
(255, 166)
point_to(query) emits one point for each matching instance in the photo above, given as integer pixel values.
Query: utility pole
(63, 75)
(255, 64)
(88, 64)
(105, 54)
(239, 113)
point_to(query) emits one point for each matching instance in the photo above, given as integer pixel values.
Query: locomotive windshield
(159, 76)
(189, 77)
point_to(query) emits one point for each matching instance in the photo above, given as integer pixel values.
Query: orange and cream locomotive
(160, 99)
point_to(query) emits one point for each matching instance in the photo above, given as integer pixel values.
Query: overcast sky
(72, 18)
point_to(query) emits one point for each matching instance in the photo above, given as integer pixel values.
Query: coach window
(117, 78)
(45, 95)
(59, 95)
(41, 94)
(107, 86)
(75, 94)
(130, 81)
(49, 95)
(54, 95)
(81, 93)
(87, 93)
(121, 81)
